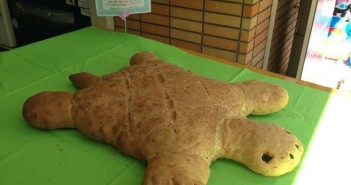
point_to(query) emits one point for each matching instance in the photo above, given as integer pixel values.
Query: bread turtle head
(274, 151)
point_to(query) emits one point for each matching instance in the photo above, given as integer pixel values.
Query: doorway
(327, 60)
(323, 44)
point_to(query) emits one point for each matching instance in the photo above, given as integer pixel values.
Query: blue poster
(122, 8)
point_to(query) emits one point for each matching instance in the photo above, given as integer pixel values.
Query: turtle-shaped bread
(176, 121)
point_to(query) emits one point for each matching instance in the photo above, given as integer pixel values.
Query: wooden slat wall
(283, 35)
(234, 30)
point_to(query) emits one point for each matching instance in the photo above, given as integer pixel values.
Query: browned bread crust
(175, 120)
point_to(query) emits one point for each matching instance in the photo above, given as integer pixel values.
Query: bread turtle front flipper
(173, 169)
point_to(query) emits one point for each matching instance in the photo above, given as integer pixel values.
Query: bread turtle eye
(266, 158)
(297, 146)
(291, 156)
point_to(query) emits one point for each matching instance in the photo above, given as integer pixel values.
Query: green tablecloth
(33, 156)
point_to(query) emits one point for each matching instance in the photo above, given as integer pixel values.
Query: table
(64, 156)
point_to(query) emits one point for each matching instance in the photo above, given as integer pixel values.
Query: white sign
(122, 7)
